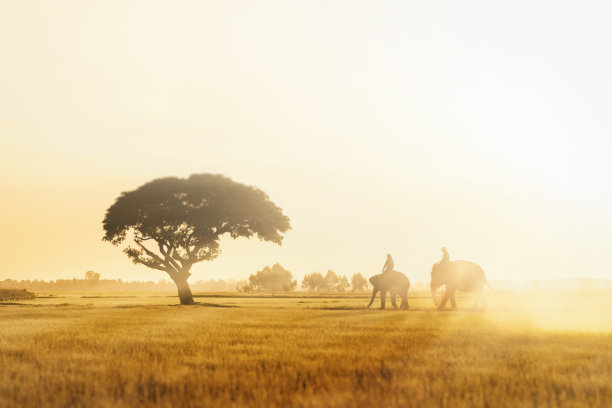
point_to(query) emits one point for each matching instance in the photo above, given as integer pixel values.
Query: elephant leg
(393, 299)
(452, 299)
(374, 291)
(383, 298)
(443, 301)
(404, 301)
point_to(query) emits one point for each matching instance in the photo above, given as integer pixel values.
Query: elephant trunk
(433, 293)
(374, 291)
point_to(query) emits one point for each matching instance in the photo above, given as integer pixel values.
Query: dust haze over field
(300, 350)
(565, 310)
(303, 158)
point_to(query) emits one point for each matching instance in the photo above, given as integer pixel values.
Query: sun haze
(377, 127)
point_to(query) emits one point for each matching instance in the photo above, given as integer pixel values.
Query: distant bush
(15, 294)
(359, 283)
(331, 282)
(314, 282)
(273, 279)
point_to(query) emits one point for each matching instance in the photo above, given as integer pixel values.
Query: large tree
(177, 222)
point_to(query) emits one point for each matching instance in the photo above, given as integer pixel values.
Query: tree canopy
(273, 279)
(175, 222)
(314, 282)
(92, 276)
(331, 282)
(359, 283)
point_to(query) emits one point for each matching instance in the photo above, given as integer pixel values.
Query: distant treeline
(109, 285)
(276, 278)
(270, 279)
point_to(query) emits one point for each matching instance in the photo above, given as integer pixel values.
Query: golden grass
(299, 351)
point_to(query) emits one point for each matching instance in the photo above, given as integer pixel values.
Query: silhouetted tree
(314, 282)
(177, 222)
(343, 284)
(92, 276)
(335, 282)
(359, 283)
(331, 280)
(273, 279)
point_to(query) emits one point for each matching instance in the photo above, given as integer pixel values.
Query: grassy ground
(103, 350)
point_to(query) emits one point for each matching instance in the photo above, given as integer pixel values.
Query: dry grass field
(118, 350)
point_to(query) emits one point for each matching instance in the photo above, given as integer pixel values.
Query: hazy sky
(377, 126)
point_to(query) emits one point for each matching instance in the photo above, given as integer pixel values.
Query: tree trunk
(184, 291)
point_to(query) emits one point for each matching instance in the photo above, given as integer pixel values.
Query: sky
(378, 127)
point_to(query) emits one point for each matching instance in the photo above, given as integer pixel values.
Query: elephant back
(391, 278)
(401, 278)
(467, 273)
(466, 266)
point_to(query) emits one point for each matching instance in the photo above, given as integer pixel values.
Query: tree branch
(188, 243)
(152, 254)
(166, 254)
(149, 264)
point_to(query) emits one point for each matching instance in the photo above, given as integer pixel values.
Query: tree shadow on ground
(204, 304)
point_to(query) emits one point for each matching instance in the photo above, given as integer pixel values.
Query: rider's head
(443, 249)
(388, 255)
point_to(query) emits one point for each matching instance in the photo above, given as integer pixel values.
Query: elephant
(394, 282)
(463, 276)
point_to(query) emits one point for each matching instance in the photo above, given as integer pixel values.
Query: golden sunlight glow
(381, 130)
(199, 198)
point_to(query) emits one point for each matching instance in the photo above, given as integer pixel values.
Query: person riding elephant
(391, 281)
(389, 264)
(445, 256)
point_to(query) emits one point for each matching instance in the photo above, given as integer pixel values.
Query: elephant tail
(489, 285)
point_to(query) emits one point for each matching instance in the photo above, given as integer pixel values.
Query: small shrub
(15, 294)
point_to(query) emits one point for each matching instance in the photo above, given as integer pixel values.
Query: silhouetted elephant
(394, 282)
(463, 276)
